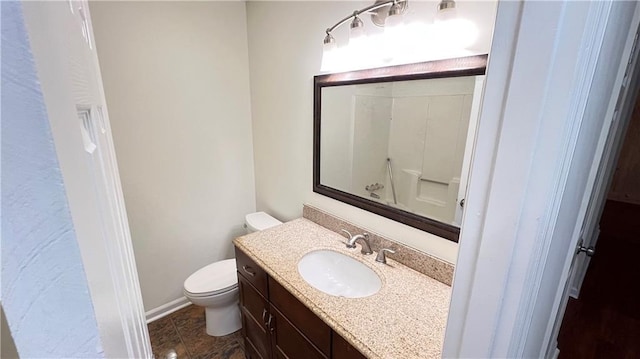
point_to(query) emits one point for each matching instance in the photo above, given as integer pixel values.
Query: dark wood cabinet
(288, 342)
(341, 349)
(275, 324)
(254, 310)
(252, 272)
(302, 318)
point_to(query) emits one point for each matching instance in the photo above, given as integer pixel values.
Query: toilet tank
(259, 221)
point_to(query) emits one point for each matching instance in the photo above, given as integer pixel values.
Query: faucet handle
(349, 239)
(381, 257)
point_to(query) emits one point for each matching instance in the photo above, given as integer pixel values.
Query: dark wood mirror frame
(464, 66)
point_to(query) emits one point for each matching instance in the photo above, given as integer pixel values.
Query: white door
(610, 143)
(614, 140)
(63, 46)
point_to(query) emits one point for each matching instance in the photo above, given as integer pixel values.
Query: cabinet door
(301, 317)
(341, 349)
(255, 312)
(288, 342)
(250, 352)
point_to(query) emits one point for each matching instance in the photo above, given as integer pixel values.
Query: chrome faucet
(351, 243)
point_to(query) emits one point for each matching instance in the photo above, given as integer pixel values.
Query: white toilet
(215, 287)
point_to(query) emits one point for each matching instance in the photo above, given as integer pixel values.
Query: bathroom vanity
(277, 325)
(283, 316)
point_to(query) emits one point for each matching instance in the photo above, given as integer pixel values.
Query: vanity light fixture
(448, 29)
(329, 53)
(379, 11)
(357, 37)
(460, 33)
(356, 29)
(383, 13)
(446, 10)
(394, 17)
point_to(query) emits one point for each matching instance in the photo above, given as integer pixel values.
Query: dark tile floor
(185, 332)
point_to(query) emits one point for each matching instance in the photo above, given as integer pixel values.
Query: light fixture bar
(446, 4)
(363, 10)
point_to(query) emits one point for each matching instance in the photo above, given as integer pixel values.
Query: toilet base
(222, 311)
(223, 321)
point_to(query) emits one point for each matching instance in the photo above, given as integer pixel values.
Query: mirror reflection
(405, 144)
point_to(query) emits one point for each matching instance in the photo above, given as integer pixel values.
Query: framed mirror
(397, 141)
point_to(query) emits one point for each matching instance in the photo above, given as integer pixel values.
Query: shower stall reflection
(405, 144)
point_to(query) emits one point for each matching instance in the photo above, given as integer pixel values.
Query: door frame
(71, 85)
(550, 79)
(468, 147)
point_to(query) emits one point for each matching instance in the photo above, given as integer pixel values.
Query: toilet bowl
(215, 287)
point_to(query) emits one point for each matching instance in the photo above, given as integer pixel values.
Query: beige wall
(177, 89)
(285, 42)
(176, 77)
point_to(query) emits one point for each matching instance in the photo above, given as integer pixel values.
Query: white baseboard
(166, 309)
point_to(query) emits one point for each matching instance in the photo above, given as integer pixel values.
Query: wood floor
(605, 321)
(185, 332)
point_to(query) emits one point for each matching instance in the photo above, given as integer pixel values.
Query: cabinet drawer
(251, 271)
(288, 342)
(341, 349)
(301, 317)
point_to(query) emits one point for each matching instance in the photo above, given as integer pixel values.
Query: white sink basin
(338, 274)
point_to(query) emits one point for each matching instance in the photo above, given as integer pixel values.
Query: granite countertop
(405, 319)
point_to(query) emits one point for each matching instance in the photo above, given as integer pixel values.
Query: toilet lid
(217, 277)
